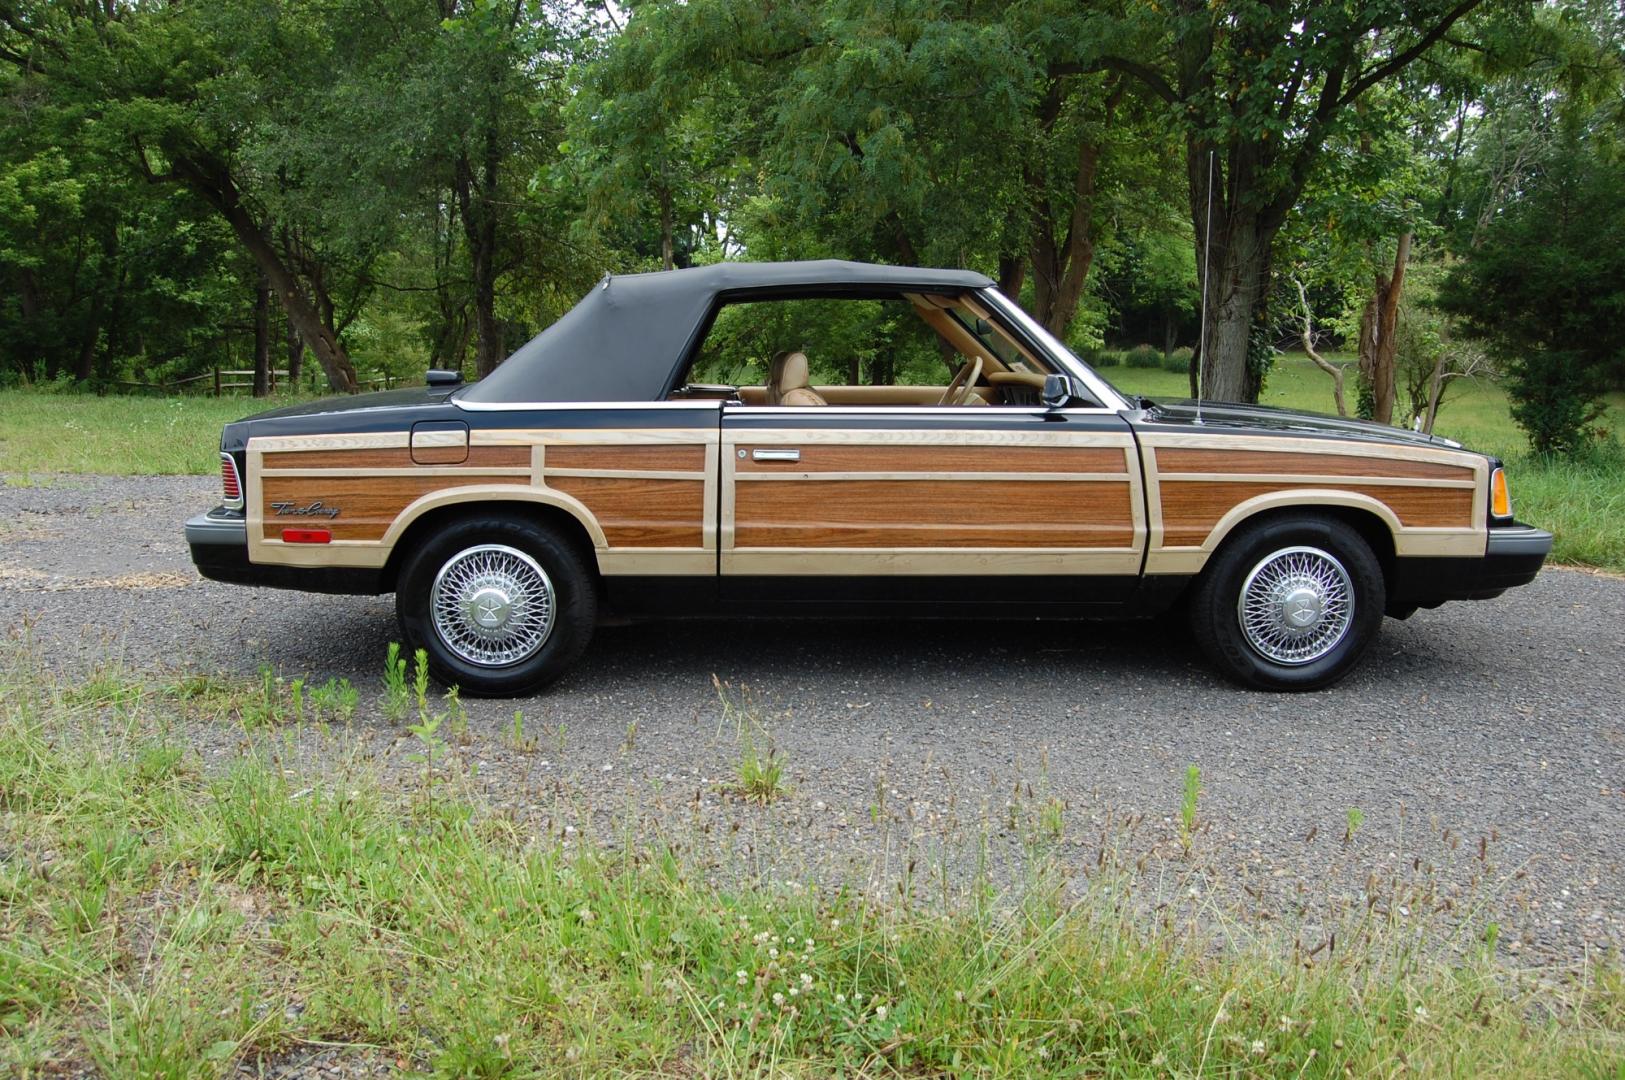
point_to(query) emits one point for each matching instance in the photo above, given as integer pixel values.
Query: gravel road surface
(1483, 743)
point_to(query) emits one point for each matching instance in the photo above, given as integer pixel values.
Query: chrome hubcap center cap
(488, 609)
(1301, 608)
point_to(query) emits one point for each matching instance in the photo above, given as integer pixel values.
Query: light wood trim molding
(363, 441)
(632, 436)
(656, 562)
(424, 439)
(870, 562)
(1110, 478)
(623, 474)
(462, 471)
(1312, 478)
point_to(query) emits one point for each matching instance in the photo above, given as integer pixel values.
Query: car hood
(383, 399)
(1216, 414)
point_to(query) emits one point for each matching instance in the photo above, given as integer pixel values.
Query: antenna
(1207, 247)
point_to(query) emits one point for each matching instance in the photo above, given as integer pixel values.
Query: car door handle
(775, 455)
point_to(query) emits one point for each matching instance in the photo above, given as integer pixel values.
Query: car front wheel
(502, 606)
(1290, 603)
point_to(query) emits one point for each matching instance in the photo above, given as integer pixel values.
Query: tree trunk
(1334, 370)
(475, 197)
(218, 188)
(296, 352)
(1237, 307)
(83, 364)
(1378, 340)
(1061, 264)
(262, 337)
(666, 262)
(1233, 249)
(1012, 274)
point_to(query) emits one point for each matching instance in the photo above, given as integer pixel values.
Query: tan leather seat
(787, 381)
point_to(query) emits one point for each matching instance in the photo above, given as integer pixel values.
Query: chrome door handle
(775, 455)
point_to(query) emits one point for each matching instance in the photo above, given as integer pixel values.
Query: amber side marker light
(307, 536)
(1500, 495)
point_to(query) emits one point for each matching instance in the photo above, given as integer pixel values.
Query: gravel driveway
(1483, 743)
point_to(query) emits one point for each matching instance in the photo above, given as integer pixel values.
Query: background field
(1582, 501)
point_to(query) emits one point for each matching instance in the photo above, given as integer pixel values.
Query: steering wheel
(963, 383)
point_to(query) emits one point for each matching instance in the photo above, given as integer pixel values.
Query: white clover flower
(1258, 1047)
(835, 924)
(1043, 1053)
(773, 954)
(880, 1012)
(778, 999)
(1421, 1013)
(808, 943)
(1286, 1023)
(740, 977)
(795, 991)
(806, 979)
(840, 999)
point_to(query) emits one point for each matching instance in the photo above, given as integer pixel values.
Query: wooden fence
(219, 381)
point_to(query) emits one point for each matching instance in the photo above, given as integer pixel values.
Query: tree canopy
(385, 185)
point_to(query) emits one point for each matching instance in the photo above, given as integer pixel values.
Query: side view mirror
(442, 377)
(1059, 390)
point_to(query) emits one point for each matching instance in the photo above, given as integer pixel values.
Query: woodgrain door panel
(808, 493)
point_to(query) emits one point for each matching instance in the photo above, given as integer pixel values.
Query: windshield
(1108, 394)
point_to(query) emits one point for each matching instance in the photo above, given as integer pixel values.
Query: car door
(949, 506)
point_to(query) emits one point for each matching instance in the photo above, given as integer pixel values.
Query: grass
(44, 432)
(160, 920)
(1583, 502)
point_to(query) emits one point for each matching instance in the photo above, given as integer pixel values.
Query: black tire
(1271, 651)
(513, 546)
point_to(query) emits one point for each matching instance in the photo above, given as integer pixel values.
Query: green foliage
(1554, 263)
(1143, 356)
(1179, 360)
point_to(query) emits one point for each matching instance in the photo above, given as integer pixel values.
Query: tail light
(231, 485)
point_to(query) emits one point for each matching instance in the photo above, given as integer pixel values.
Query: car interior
(919, 349)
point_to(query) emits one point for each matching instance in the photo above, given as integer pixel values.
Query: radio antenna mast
(1207, 246)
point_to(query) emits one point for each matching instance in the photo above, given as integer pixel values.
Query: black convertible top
(626, 338)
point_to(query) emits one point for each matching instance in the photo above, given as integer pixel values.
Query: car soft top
(626, 338)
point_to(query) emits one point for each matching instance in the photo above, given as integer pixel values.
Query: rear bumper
(219, 543)
(1513, 556)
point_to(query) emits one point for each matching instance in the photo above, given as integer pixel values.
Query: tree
(1258, 89)
(1545, 288)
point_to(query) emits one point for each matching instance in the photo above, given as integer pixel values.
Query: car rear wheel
(502, 606)
(1290, 603)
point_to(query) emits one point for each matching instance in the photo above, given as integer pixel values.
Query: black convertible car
(662, 450)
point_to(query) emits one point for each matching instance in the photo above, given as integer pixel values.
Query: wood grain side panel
(628, 458)
(636, 512)
(923, 513)
(1190, 509)
(487, 457)
(367, 505)
(1083, 459)
(439, 455)
(1242, 463)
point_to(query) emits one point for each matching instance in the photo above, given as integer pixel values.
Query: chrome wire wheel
(492, 605)
(1296, 605)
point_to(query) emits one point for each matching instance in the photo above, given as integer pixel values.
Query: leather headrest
(788, 371)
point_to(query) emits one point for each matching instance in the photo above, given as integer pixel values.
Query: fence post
(217, 382)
